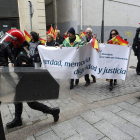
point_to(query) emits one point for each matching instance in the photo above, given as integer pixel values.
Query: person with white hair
(88, 35)
(87, 38)
(59, 38)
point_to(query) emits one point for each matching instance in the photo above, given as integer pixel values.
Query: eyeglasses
(113, 34)
(88, 32)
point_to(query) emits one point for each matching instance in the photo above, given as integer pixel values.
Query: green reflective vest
(78, 41)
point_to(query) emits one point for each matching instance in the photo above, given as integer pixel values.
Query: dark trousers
(87, 78)
(138, 64)
(72, 80)
(111, 81)
(34, 105)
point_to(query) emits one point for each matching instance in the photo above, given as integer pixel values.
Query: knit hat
(72, 31)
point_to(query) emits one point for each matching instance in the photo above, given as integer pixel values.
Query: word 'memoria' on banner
(110, 62)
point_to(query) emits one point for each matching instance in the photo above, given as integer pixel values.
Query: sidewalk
(92, 113)
(119, 121)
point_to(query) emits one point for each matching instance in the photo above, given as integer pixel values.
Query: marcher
(87, 38)
(50, 41)
(15, 39)
(136, 49)
(72, 40)
(113, 33)
(81, 32)
(59, 38)
(33, 50)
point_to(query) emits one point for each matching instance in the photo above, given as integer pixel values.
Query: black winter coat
(60, 40)
(5, 53)
(53, 43)
(136, 42)
(21, 56)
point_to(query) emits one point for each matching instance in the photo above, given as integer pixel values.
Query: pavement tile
(5, 109)
(137, 104)
(133, 101)
(42, 132)
(48, 136)
(91, 117)
(110, 117)
(111, 131)
(7, 119)
(113, 108)
(51, 102)
(25, 116)
(76, 137)
(63, 105)
(63, 130)
(85, 129)
(105, 138)
(132, 130)
(129, 107)
(58, 101)
(38, 113)
(28, 122)
(43, 117)
(131, 117)
(30, 138)
(66, 101)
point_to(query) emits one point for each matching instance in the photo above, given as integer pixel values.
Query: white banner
(110, 62)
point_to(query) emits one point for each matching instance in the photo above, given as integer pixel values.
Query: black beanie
(72, 31)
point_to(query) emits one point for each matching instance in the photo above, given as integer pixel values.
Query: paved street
(91, 113)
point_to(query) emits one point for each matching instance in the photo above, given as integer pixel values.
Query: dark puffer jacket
(136, 42)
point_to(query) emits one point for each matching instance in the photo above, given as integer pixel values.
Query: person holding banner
(72, 40)
(87, 38)
(50, 41)
(59, 38)
(113, 33)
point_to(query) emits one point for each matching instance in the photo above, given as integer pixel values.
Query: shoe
(139, 98)
(76, 81)
(16, 122)
(138, 73)
(94, 79)
(55, 112)
(115, 82)
(71, 85)
(87, 84)
(110, 87)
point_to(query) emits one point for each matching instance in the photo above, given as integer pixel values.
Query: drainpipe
(55, 13)
(102, 27)
(81, 14)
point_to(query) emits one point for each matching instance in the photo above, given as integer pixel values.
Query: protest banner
(109, 62)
